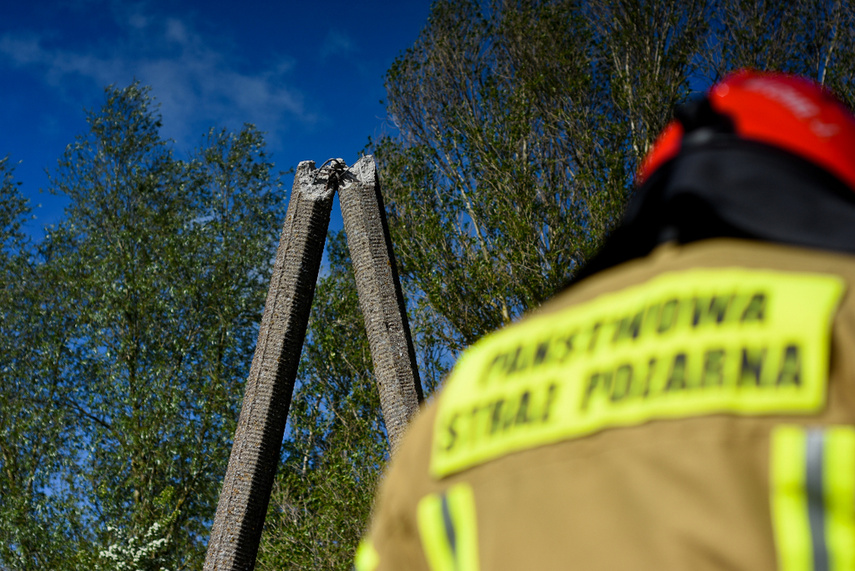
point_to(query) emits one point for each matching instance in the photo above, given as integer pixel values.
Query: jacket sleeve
(393, 540)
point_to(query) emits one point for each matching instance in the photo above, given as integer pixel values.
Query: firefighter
(689, 401)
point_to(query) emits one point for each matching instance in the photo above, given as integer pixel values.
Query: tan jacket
(693, 409)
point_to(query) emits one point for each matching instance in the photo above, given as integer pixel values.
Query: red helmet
(780, 110)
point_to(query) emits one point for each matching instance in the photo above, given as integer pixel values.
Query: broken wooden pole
(380, 297)
(236, 532)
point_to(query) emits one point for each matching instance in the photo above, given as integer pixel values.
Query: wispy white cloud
(28, 50)
(336, 44)
(196, 79)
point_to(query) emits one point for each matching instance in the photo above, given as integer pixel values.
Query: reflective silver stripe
(814, 459)
(448, 523)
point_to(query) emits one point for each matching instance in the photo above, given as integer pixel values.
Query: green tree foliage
(520, 124)
(36, 509)
(814, 38)
(154, 283)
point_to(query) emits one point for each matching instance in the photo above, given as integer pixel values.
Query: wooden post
(236, 532)
(380, 297)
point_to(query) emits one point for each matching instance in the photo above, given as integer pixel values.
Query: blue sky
(308, 74)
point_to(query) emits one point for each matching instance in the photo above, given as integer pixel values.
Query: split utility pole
(380, 297)
(236, 533)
